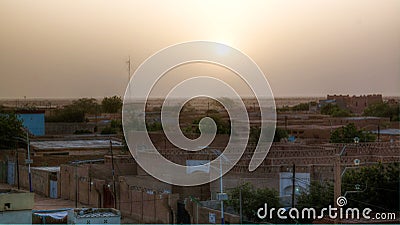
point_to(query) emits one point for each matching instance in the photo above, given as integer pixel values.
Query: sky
(55, 49)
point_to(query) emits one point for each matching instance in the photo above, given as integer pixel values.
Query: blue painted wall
(34, 122)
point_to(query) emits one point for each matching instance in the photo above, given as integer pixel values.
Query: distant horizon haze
(73, 49)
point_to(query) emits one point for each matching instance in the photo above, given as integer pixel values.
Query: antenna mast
(129, 68)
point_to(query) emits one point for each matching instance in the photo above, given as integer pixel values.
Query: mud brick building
(356, 104)
(55, 152)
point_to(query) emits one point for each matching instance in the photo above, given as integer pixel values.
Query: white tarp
(197, 165)
(55, 215)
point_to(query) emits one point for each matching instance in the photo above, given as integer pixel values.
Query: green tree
(154, 126)
(383, 110)
(114, 127)
(255, 134)
(301, 107)
(111, 104)
(10, 129)
(83, 131)
(334, 110)
(347, 134)
(279, 134)
(75, 112)
(223, 127)
(252, 199)
(319, 195)
(87, 105)
(68, 114)
(109, 130)
(378, 186)
(284, 108)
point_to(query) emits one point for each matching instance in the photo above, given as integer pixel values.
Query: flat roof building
(16, 206)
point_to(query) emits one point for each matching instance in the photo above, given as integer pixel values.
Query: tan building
(356, 104)
(16, 206)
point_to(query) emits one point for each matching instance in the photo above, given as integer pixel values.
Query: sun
(224, 39)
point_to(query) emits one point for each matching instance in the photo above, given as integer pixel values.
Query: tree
(108, 130)
(114, 127)
(69, 114)
(75, 112)
(252, 199)
(383, 110)
(319, 195)
(279, 134)
(301, 107)
(111, 104)
(10, 129)
(87, 105)
(223, 127)
(334, 110)
(255, 134)
(154, 126)
(347, 134)
(379, 187)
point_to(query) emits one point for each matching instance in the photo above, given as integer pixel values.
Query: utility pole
(16, 146)
(222, 191)
(379, 133)
(129, 68)
(338, 176)
(29, 162)
(240, 205)
(76, 185)
(113, 175)
(293, 184)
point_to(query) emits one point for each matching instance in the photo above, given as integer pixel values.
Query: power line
(365, 203)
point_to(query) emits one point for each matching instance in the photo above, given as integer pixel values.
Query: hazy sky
(305, 48)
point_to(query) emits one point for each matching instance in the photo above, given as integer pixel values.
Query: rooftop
(43, 145)
(388, 131)
(147, 182)
(48, 168)
(362, 118)
(95, 212)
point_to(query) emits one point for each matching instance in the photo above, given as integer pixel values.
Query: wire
(365, 203)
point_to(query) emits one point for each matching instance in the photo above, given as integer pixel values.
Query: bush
(111, 104)
(68, 114)
(255, 134)
(347, 134)
(223, 127)
(10, 129)
(379, 186)
(74, 112)
(154, 126)
(301, 107)
(82, 132)
(334, 110)
(109, 130)
(252, 199)
(383, 110)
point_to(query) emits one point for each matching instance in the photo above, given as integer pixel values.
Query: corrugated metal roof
(96, 212)
(388, 131)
